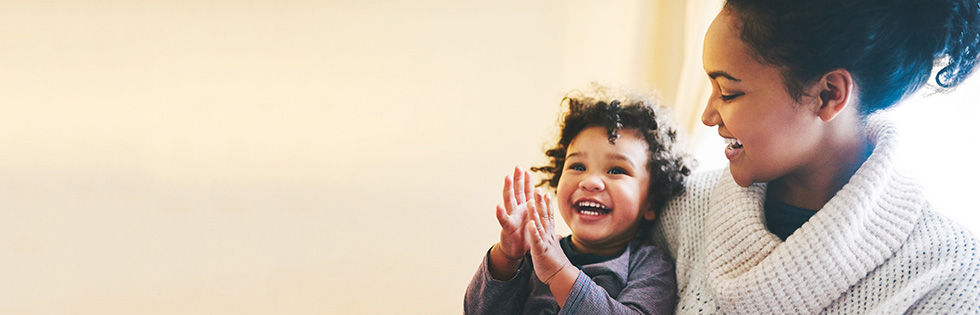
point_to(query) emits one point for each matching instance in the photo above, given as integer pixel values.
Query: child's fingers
(539, 223)
(534, 238)
(537, 243)
(534, 215)
(528, 187)
(542, 207)
(550, 205)
(532, 210)
(519, 185)
(543, 237)
(509, 202)
(502, 217)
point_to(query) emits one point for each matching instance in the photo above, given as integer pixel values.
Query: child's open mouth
(588, 207)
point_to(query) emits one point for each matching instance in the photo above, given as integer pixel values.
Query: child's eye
(618, 171)
(576, 167)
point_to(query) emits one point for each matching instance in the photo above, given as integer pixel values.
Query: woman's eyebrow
(715, 74)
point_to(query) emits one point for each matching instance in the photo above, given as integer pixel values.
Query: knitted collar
(752, 271)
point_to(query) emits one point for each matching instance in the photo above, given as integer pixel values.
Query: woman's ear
(649, 214)
(835, 90)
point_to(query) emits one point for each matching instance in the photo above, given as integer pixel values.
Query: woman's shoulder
(937, 238)
(682, 220)
(939, 259)
(698, 188)
(705, 178)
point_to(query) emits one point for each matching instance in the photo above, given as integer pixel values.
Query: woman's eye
(729, 97)
(618, 171)
(577, 167)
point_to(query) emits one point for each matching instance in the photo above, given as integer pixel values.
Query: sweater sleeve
(486, 295)
(951, 284)
(957, 297)
(650, 289)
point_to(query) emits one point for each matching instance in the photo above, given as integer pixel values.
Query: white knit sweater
(875, 247)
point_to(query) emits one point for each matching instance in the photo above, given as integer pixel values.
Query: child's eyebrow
(617, 156)
(611, 156)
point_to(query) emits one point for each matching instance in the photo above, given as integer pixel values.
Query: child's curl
(669, 166)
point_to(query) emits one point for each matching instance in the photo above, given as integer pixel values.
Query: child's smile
(588, 207)
(603, 188)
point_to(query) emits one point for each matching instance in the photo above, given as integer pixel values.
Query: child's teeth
(591, 204)
(588, 207)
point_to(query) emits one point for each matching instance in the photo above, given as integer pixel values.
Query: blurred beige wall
(279, 157)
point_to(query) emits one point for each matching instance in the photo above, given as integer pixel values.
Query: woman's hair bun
(961, 34)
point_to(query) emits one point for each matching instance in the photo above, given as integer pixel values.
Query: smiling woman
(812, 213)
(804, 141)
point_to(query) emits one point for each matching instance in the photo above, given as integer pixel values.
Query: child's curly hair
(668, 165)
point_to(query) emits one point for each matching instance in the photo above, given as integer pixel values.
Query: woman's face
(769, 134)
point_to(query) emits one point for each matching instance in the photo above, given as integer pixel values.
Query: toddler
(614, 168)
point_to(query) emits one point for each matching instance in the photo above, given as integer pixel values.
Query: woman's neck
(814, 184)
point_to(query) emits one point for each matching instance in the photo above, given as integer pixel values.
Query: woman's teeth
(733, 143)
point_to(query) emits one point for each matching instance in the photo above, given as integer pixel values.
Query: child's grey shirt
(640, 281)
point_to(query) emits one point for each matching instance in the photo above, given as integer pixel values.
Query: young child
(615, 166)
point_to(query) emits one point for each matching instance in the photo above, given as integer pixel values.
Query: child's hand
(550, 264)
(546, 252)
(512, 215)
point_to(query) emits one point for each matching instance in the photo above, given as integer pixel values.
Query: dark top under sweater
(783, 219)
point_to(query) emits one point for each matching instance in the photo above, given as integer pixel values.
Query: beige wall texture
(270, 157)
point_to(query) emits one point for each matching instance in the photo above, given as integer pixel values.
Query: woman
(811, 215)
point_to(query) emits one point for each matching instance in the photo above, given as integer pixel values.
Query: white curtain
(675, 69)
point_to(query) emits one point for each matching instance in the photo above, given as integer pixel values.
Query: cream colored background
(292, 157)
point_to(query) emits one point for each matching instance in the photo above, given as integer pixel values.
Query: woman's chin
(740, 178)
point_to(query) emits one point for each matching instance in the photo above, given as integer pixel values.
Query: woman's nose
(592, 183)
(710, 116)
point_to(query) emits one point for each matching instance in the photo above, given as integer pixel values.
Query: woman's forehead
(727, 58)
(723, 49)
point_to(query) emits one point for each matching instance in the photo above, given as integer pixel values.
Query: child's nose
(592, 183)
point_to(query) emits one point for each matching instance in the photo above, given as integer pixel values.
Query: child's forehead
(596, 139)
(594, 133)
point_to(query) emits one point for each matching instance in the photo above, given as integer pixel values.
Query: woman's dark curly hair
(668, 165)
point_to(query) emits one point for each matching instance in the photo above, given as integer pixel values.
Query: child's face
(603, 188)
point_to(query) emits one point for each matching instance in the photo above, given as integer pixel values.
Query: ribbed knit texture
(875, 247)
